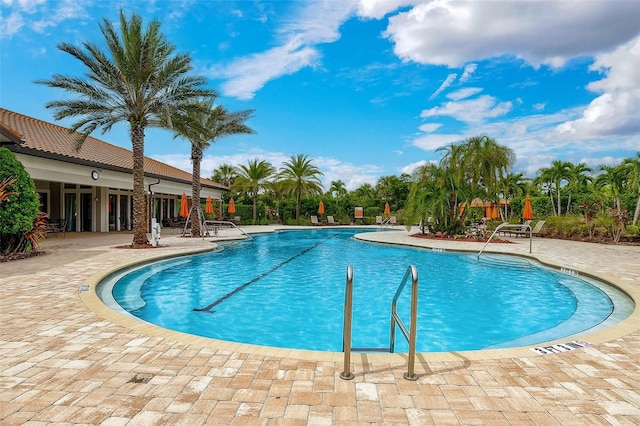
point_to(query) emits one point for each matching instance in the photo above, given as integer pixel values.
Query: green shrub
(19, 212)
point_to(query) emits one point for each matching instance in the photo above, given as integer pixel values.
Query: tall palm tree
(553, 176)
(225, 174)
(202, 127)
(577, 178)
(612, 179)
(487, 163)
(514, 185)
(337, 189)
(300, 177)
(632, 171)
(254, 178)
(139, 81)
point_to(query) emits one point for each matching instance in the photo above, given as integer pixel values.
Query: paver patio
(63, 360)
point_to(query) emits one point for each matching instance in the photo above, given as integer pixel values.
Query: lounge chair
(314, 220)
(514, 231)
(536, 231)
(330, 221)
(378, 220)
(393, 220)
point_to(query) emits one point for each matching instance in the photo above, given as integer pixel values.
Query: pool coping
(89, 296)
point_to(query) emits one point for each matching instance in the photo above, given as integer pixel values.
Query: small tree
(20, 205)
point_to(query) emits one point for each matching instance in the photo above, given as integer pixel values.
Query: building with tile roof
(91, 188)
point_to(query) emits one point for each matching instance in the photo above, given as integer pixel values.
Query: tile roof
(53, 141)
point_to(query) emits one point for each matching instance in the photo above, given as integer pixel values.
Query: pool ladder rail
(210, 228)
(409, 334)
(508, 225)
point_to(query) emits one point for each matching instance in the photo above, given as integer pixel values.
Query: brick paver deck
(65, 360)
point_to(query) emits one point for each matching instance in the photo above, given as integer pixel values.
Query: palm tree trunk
(139, 202)
(255, 207)
(559, 203)
(196, 158)
(298, 205)
(636, 213)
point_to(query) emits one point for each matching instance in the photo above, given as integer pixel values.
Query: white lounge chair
(314, 220)
(330, 221)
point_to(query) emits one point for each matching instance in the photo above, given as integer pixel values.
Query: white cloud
(435, 141)
(446, 83)
(468, 71)
(453, 33)
(615, 111)
(410, 168)
(430, 127)
(313, 23)
(539, 106)
(37, 15)
(465, 93)
(248, 75)
(353, 175)
(470, 111)
(377, 9)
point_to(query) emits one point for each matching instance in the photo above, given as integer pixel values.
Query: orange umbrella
(387, 209)
(527, 214)
(321, 208)
(184, 208)
(232, 206)
(208, 208)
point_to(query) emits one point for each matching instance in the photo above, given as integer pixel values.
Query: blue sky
(369, 88)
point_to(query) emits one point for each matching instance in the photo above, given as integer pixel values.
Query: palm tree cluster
(142, 81)
(615, 188)
(476, 168)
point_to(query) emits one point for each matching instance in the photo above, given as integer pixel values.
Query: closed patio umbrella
(321, 208)
(208, 208)
(527, 213)
(387, 209)
(184, 208)
(232, 206)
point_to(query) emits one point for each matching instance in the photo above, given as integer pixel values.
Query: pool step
(383, 350)
(504, 263)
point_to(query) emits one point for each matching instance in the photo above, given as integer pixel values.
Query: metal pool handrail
(410, 335)
(214, 223)
(508, 225)
(346, 334)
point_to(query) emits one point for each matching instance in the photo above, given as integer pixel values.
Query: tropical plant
(300, 177)
(19, 205)
(577, 179)
(252, 179)
(139, 81)
(225, 174)
(558, 172)
(612, 181)
(202, 126)
(632, 171)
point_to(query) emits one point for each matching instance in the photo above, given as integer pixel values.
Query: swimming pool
(287, 290)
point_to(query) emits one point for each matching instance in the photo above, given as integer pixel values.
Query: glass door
(70, 210)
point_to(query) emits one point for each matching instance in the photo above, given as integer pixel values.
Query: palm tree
(225, 174)
(632, 170)
(577, 178)
(514, 185)
(300, 177)
(202, 127)
(253, 178)
(140, 81)
(337, 189)
(554, 175)
(612, 179)
(487, 163)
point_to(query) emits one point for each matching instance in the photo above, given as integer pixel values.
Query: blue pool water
(287, 290)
